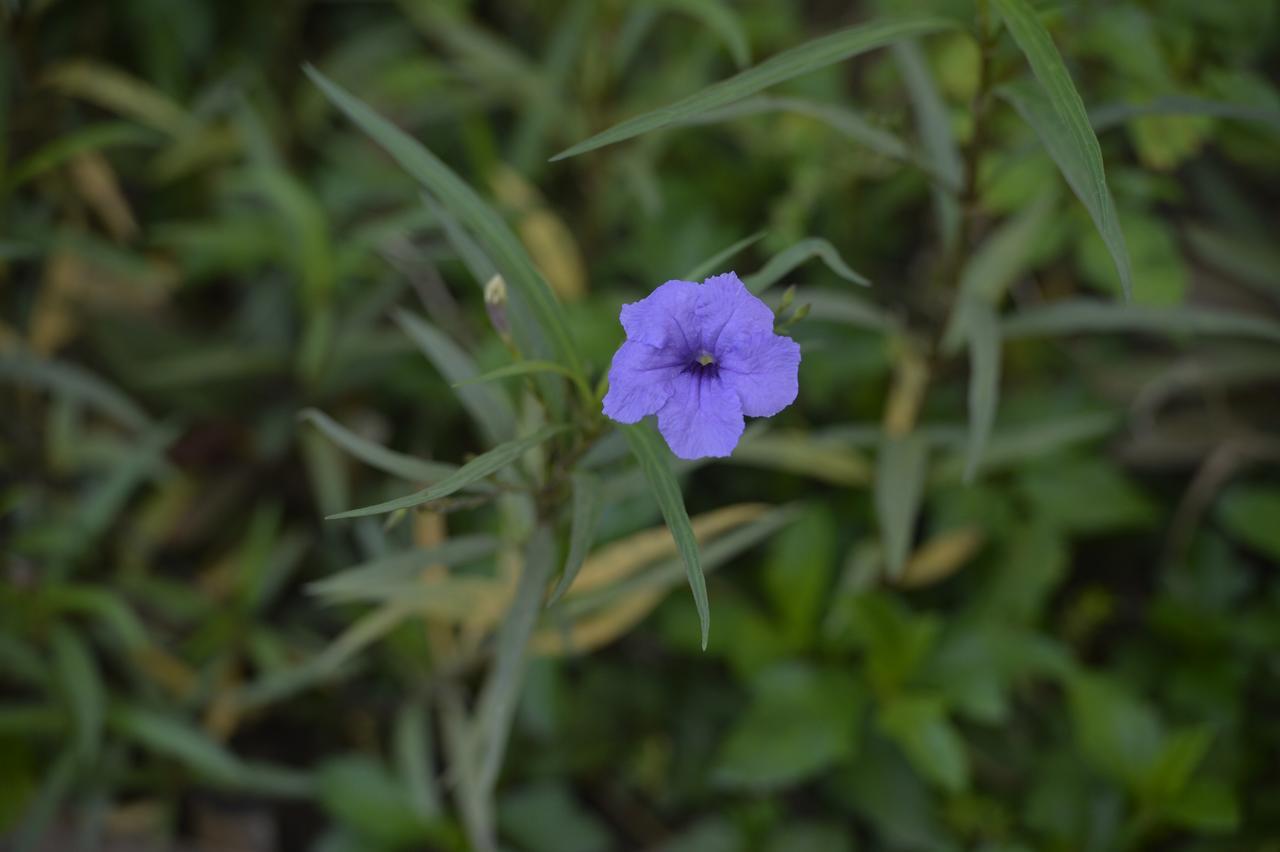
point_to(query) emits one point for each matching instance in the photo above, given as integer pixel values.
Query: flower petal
(726, 307)
(763, 370)
(640, 381)
(703, 417)
(664, 318)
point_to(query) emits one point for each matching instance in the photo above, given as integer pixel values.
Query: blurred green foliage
(1014, 583)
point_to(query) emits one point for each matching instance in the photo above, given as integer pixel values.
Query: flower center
(706, 359)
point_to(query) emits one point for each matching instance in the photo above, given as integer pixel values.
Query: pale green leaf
(785, 261)
(587, 505)
(1079, 316)
(899, 485)
(397, 464)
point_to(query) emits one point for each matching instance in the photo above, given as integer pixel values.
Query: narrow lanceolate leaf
(497, 705)
(649, 451)
(81, 683)
(474, 470)
(1078, 316)
(72, 381)
(718, 260)
(984, 379)
(401, 570)
(375, 455)
(807, 57)
(785, 261)
(586, 512)
(900, 471)
(1055, 111)
(491, 412)
(1112, 115)
(720, 18)
(546, 335)
(932, 119)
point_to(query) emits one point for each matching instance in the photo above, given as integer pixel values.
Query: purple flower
(700, 356)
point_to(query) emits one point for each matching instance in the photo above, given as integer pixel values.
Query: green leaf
(798, 572)
(1113, 115)
(474, 470)
(900, 471)
(384, 577)
(1207, 805)
(412, 743)
(933, 121)
(66, 146)
(649, 451)
(586, 513)
(397, 464)
(74, 382)
(173, 738)
(491, 412)
(528, 291)
(497, 703)
(545, 817)
(790, 63)
(720, 18)
(81, 684)
(717, 260)
(1055, 111)
(1250, 514)
(846, 309)
(801, 720)
(1181, 753)
(785, 261)
(1077, 316)
(843, 120)
(1084, 494)
(920, 725)
(1118, 733)
(803, 453)
(361, 793)
(984, 379)
(520, 368)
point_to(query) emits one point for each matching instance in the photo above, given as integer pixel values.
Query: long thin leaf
(582, 529)
(983, 328)
(932, 119)
(900, 471)
(845, 308)
(720, 18)
(81, 684)
(791, 257)
(1080, 316)
(72, 381)
(654, 462)
(534, 312)
(491, 412)
(807, 57)
(717, 260)
(1113, 115)
(497, 703)
(375, 455)
(400, 568)
(1056, 113)
(473, 471)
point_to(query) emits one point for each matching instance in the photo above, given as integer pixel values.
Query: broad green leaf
(1078, 316)
(845, 121)
(528, 291)
(811, 56)
(899, 485)
(385, 576)
(717, 260)
(1180, 755)
(496, 706)
(801, 721)
(473, 471)
(1205, 805)
(656, 466)
(586, 514)
(545, 816)
(397, 464)
(1117, 732)
(1251, 514)
(491, 411)
(1084, 494)
(808, 836)
(984, 378)
(1055, 111)
(785, 261)
(798, 572)
(72, 381)
(360, 792)
(81, 684)
(921, 727)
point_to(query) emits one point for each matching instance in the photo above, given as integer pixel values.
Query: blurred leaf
(413, 752)
(585, 517)
(496, 706)
(798, 572)
(66, 147)
(398, 570)
(801, 721)
(896, 640)
(1250, 514)
(845, 308)
(656, 466)
(1161, 276)
(1118, 733)
(719, 17)
(360, 792)
(1078, 316)
(376, 455)
(933, 122)
(118, 92)
(921, 727)
(1085, 495)
(900, 472)
(940, 557)
(56, 785)
(481, 466)
(74, 382)
(1111, 115)
(790, 63)
(983, 331)
(81, 684)
(1179, 757)
(806, 454)
(810, 836)
(785, 261)
(490, 410)
(545, 817)
(175, 739)
(1205, 805)
(720, 258)
(1054, 110)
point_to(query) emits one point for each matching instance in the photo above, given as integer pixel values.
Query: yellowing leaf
(549, 241)
(941, 556)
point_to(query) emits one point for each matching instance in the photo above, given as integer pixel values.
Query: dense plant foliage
(314, 535)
